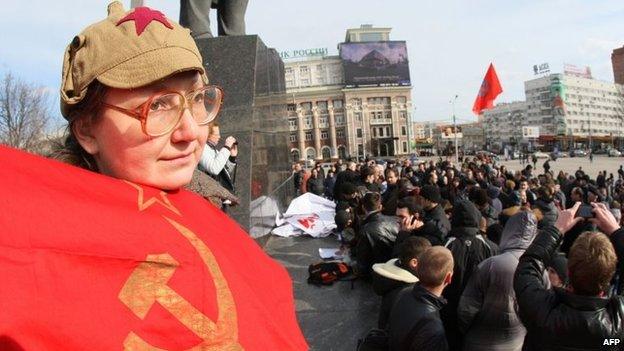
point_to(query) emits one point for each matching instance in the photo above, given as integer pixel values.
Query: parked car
(540, 154)
(614, 153)
(578, 153)
(557, 154)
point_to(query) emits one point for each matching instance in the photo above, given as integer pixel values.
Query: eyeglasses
(162, 112)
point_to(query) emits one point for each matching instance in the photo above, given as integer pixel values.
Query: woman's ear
(83, 131)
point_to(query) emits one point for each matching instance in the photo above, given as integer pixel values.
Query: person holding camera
(220, 163)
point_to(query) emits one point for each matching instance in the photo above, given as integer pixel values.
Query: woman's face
(123, 151)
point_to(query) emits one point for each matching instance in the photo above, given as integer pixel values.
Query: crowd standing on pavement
(475, 256)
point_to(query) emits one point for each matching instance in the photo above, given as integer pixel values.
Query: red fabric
(490, 89)
(72, 239)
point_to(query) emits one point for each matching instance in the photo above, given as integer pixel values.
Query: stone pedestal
(254, 112)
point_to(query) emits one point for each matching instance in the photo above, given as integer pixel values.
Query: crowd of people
(474, 256)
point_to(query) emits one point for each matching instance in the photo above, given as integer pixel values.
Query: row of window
(340, 134)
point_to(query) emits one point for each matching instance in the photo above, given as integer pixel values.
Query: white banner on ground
(308, 214)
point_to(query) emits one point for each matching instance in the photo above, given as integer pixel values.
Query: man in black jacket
(376, 235)
(410, 216)
(434, 213)
(469, 248)
(584, 316)
(415, 317)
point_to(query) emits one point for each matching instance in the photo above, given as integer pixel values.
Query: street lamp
(455, 130)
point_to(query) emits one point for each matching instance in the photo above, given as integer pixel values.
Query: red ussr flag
(490, 89)
(89, 262)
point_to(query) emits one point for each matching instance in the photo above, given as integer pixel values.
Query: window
(321, 105)
(358, 116)
(340, 119)
(403, 130)
(303, 69)
(402, 114)
(306, 106)
(308, 122)
(288, 70)
(323, 120)
(388, 131)
(337, 103)
(360, 149)
(356, 102)
(401, 99)
(308, 136)
(340, 133)
(374, 132)
(293, 138)
(387, 114)
(404, 147)
(292, 107)
(358, 132)
(292, 123)
(324, 135)
(381, 134)
(295, 155)
(305, 82)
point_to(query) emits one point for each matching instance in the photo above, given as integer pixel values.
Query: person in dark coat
(349, 175)
(544, 207)
(469, 248)
(415, 317)
(376, 235)
(434, 212)
(315, 183)
(329, 183)
(410, 215)
(487, 308)
(398, 273)
(584, 316)
(391, 195)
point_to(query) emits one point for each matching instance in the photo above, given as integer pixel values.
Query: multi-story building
(568, 109)
(617, 60)
(473, 136)
(330, 118)
(503, 125)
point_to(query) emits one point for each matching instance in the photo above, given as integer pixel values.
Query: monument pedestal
(254, 112)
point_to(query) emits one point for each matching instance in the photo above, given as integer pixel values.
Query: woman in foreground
(118, 257)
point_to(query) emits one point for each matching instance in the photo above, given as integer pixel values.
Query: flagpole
(455, 132)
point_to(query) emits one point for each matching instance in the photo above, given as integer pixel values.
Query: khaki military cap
(126, 50)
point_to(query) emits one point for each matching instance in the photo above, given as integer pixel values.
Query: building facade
(617, 61)
(570, 111)
(329, 119)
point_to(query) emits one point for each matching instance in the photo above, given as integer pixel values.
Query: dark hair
(367, 171)
(478, 196)
(410, 203)
(371, 202)
(70, 151)
(411, 248)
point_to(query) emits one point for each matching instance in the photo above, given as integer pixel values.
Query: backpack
(326, 273)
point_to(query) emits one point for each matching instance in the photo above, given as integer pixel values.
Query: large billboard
(375, 63)
(448, 132)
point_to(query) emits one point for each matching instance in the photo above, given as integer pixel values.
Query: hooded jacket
(437, 216)
(388, 279)
(469, 248)
(560, 320)
(487, 312)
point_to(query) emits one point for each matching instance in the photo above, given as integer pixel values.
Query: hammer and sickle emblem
(147, 285)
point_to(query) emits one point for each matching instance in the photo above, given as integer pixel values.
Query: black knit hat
(431, 193)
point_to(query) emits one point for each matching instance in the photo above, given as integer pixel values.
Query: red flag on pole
(490, 88)
(89, 262)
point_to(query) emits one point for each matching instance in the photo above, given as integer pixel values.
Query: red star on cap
(143, 16)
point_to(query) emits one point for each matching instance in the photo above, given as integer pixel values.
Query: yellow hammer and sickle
(147, 285)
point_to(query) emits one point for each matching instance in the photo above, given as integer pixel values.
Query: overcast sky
(449, 43)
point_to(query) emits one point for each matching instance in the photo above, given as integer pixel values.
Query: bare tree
(24, 113)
